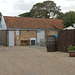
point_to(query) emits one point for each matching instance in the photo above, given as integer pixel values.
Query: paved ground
(35, 61)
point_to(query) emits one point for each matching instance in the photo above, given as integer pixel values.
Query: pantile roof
(32, 23)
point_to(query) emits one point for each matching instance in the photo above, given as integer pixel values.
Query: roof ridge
(31, 18)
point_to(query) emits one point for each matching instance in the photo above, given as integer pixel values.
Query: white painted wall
(40, 35)
(32, 39)
(17, 32)
(11, 38)
(2, 24)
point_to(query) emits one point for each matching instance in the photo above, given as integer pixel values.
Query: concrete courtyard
(32, 60)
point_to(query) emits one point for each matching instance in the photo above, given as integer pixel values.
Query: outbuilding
(27, 31)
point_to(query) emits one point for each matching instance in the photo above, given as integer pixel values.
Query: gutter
(29, 29)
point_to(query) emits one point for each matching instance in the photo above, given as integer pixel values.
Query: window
(17, 32)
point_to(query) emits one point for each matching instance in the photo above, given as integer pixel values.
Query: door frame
(32, 39)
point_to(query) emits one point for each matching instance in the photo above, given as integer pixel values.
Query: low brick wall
(3, 37)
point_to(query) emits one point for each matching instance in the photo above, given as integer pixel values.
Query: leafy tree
(69, 18)
(27, 14)
(38, 12)
(51, 8)
(60, 16)
(47, 9)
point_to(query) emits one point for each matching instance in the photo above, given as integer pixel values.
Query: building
(27, 31)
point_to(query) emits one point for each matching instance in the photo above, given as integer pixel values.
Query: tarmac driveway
(22, 60)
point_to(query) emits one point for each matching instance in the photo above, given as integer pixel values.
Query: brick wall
(52, 32)
(25, 35)
(3, 37)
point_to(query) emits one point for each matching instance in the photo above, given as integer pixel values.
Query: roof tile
(32, 23)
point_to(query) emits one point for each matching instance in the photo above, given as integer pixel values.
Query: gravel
(33, 60)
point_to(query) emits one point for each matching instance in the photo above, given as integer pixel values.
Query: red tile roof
(32, 23)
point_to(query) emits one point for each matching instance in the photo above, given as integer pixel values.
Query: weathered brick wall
(52, 32)
(25, 35)
(3, 37)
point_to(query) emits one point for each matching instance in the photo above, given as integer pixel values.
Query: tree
(51, 8)
(60, 16)
(27, 14)
(38, 12)
(47, 9)
(69, 18)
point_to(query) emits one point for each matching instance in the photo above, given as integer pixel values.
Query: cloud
(22, 5)
(66, 5)
(69, 0)
(16, 7)
(25, 4)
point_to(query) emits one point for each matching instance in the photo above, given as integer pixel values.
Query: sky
(16, 7)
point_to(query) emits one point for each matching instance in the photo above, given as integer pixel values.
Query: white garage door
(40, 35)
(11, 38)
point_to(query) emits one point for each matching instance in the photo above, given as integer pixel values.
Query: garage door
(40, 35)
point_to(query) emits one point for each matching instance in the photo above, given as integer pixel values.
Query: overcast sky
(16, 7)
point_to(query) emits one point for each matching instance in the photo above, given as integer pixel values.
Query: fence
(42, 42)
(65, 39)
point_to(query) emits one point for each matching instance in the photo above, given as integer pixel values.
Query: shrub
(71, 48)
